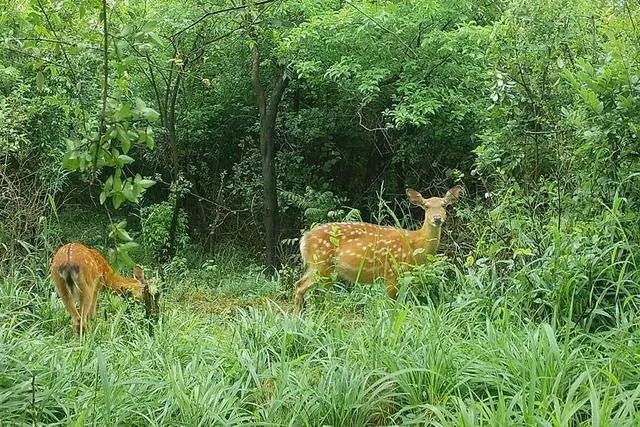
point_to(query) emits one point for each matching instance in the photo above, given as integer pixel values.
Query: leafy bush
(156, 228)
(316, 206)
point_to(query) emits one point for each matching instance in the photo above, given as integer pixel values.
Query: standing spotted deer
(78, 273)
(362, 252)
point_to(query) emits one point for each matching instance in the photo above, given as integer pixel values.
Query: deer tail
(69, 274)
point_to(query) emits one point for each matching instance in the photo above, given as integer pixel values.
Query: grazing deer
(362, 252)
(78, 272)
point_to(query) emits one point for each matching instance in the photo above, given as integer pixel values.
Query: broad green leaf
(40, 80)
(123, 235)
(117, 198)
(592, 100)
(156, 39)
(125, 159)
(146, 183)
(70, 161)
(129, 193)
(128, 246)
(124, 258)
(123, 113)
(140, 105)
(108, 185)
(117, 183)
(123, 137)
(150, 114)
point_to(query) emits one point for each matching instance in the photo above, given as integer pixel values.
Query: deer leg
(94, 300)
(69, 302)
(86, 302)
(302, 286)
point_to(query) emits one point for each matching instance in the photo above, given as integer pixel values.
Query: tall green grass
(353, 358)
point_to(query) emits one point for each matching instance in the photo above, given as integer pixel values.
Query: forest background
(201, 138)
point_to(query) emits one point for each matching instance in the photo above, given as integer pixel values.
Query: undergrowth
(353, 358)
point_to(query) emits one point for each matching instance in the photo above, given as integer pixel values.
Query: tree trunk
(172, 139)
(267, 148)
(268, 109)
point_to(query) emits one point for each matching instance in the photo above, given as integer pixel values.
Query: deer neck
(119, 283)
(428, 237)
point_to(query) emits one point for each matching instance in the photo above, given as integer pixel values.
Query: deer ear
(415, 198)
(138, 273)
(453, 195)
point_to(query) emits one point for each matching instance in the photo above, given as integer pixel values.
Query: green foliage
(30, 170)
(156, 227)
(317, 207)
(530, 318)
(558, 159)
(405, 364)
(425, 283)
(124, 127)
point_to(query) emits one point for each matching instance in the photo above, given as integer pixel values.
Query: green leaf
(123, 113)
(103, 197)
(140, 105)
(117, 199)
(121, 45)
(112, 131)
(123, 235)
(625, 102)
(108, 185)
(40, 80)
(146, 183)
(592, 100)
(124, 258)
(125, 141)
(117, 183)
(137, 189)
(129, 193)
(128, 246)
(70, 161)
(156, 39)
(150, 114)
(126, 160)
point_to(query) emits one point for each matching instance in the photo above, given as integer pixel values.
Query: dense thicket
(533, 106)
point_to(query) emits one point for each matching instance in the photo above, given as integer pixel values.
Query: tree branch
(255, 78)
(57, 39)
(201, 49)
(103, 118)
(278, 90)
(156, 90)
(217, 12)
